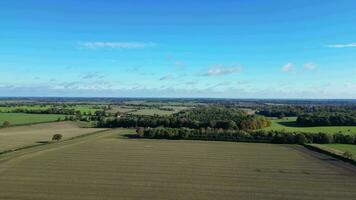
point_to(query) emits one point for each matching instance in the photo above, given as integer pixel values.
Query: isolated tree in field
(6, 124)
(57, 137)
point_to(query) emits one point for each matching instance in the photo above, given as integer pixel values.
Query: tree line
(280, 137)
(327, 119)
(54, 110)
(281, 111)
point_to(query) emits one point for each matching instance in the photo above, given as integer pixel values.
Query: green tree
(57, 137)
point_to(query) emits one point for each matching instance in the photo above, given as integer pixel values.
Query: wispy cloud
(310, 66)
(116, 45)
(93, 75)
(287, 67)
(341, 45)
(166, 77)
(219, 70)
(221, 85)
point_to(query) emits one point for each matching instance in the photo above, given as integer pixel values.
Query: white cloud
(219, 70)
(116, 45)
(310, 66)
(341, 45)
(287, 67)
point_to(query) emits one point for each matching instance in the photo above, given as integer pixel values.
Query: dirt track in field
(108, 167)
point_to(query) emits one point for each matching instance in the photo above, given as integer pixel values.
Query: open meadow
(21, 136)
(289, 124)
(24, 118)
(108, 166)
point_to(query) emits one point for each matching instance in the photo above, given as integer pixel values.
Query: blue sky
(234, 49)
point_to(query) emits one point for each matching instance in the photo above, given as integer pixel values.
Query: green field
(289, 124)
(342, 147)
(23, 118)
(107, 166)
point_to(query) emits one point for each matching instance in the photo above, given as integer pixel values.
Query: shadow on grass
(131, 136)
(43, 142)
(289, 124)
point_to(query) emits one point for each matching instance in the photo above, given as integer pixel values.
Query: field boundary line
(330, 153)
(34, 123)
(11, 154)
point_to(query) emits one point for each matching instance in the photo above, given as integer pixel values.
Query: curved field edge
(331, 152)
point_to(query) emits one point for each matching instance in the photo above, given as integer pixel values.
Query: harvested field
(114, 168)
(20, 136)
(116, 109)
(153, 111)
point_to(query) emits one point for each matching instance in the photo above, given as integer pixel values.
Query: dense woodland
(327, 119)
(200, 117)
(309, 115)
(296, 110)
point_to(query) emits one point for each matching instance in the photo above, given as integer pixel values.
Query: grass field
(289, 124)
(20, 136)
(23, 118)
(342, 147)
(109, 167)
